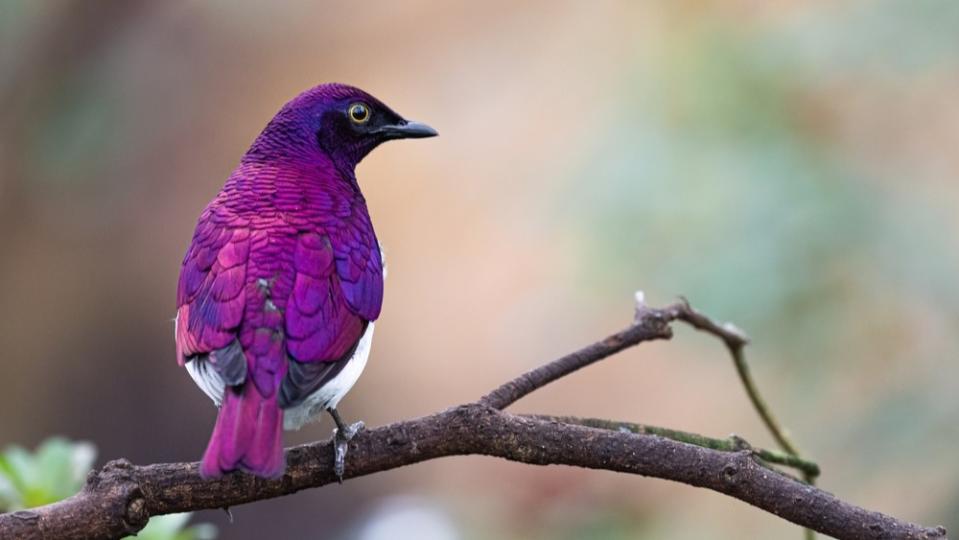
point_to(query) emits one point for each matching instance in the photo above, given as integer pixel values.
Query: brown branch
(119, 499)
(649, 325)
(731, 444)
(736, 341)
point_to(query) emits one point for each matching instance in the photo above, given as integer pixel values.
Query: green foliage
(172, 527)
(57, 469)
(726, 152)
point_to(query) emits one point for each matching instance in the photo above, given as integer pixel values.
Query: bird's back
(280, 282)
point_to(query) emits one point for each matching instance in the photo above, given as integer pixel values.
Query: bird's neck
(285, 186)
(285, 138)
(309, 164)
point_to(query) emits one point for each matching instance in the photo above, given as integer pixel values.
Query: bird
(282, 283)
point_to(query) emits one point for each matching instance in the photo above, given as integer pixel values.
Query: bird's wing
(359, 267)
(211, 298)
(337, 290)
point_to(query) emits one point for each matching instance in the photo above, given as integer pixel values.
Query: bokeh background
(790, 166)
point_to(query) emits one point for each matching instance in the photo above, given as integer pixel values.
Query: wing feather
(336, 293)
(210, 295)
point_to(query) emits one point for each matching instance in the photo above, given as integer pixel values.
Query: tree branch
(649, 325)
(120, 498)
(733, 443)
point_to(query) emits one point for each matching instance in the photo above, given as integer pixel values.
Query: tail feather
(248, 436)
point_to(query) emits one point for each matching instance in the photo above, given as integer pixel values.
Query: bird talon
(339, 459)
(351, 430)
(341, 439)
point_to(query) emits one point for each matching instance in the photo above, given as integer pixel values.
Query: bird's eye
(359, 113)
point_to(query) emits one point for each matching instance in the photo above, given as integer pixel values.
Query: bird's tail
(248, 435)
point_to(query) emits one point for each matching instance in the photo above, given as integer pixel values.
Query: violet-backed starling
(282, 283)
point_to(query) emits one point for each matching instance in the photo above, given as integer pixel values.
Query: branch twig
(650, 324)
(735, 340)
(120, 498)
(731, 444)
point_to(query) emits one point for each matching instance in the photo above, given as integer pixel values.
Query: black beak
(407, 130)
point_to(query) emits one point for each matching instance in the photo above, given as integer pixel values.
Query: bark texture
(119, 499)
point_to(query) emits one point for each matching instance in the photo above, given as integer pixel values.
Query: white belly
(330, 394)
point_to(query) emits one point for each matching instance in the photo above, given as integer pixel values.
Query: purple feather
(284, 265)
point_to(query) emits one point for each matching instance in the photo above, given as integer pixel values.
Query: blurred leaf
(62, 467)
(55, 471)
(9, 492)
(173, 527)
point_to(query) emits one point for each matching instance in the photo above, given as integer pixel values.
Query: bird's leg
(341, 436)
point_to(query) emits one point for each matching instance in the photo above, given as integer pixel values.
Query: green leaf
(173, 527)
(55, 471)
(9, 494)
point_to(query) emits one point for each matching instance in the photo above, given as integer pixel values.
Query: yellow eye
(359, 113)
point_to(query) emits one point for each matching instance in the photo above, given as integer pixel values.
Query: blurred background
(791, 167)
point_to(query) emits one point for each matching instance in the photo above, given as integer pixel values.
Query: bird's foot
(341, 439)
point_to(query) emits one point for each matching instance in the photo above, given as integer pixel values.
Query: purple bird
(283, 280)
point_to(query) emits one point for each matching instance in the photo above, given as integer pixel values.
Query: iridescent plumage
(284, 273)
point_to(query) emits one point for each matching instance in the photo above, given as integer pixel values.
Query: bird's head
(333, 120)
